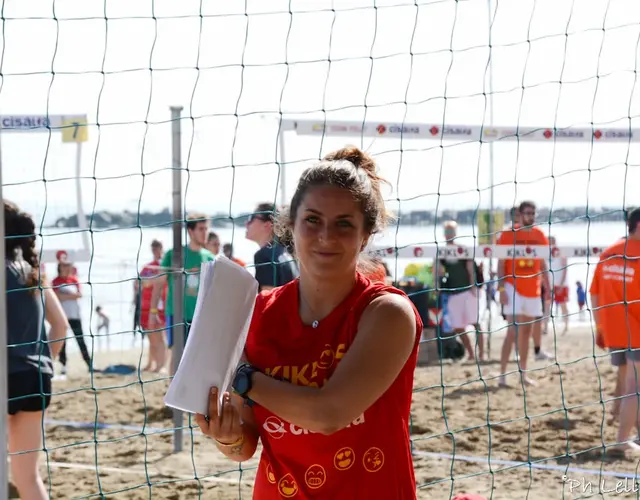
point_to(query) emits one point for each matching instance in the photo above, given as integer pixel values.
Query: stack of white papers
(226, 298)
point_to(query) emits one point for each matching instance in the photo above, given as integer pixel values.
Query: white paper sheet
(224, 307)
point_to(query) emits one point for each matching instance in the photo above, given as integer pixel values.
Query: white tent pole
(283, 168)
(4, 382)
(82, 219)
(492, 229)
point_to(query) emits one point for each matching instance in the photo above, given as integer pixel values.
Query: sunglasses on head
(261, 217)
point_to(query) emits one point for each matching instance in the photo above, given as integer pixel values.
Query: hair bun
(356, 156)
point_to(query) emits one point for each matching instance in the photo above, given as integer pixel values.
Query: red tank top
(149, 271)
(371, 457)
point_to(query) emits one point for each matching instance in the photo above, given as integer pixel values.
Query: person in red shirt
(325, 387)
(615, 302)
(560, 271)
(157, 344)
(69, 292)
(63, 258)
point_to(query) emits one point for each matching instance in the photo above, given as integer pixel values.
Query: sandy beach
(110, 436)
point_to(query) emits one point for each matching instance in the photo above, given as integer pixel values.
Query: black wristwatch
(243, 380)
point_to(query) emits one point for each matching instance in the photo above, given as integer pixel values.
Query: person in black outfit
(136, 312)
(274, 264)
(29, 355)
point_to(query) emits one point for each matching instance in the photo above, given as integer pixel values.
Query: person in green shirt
(194, 255)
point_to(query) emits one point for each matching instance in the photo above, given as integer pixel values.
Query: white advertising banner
(464, 132)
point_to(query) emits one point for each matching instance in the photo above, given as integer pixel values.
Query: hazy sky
(236, 72)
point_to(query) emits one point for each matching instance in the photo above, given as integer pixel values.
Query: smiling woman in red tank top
(330, 357)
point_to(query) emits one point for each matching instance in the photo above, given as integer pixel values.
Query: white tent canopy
(463, 133)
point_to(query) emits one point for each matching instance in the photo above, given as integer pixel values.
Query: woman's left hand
(226, 428)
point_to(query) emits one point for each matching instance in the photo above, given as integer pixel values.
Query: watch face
(242, 383)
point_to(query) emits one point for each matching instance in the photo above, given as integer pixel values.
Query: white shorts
(462, 309)
(517, 305)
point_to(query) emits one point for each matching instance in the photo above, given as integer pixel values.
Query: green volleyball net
(468, 107)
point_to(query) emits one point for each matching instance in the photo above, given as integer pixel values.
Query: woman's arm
(62, 296)
(564, 262)
(386, 336)
(57, 318)
(158, 283)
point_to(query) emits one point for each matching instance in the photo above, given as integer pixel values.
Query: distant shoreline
(104, 219)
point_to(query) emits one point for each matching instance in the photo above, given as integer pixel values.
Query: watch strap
(246, 370)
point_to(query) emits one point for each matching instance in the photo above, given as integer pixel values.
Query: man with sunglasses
(274, 265)
(521, 283)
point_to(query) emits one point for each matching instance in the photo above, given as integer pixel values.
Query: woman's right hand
(154, 321)
(225, 429)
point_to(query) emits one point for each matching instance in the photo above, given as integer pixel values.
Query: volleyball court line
(419, 453)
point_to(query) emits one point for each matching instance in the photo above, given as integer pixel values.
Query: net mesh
(86, 87)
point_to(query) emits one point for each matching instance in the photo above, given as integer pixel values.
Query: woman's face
(328, 232)
(65, 270)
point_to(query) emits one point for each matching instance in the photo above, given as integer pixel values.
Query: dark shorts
(29, 391)
(170, 332)
(620, 356)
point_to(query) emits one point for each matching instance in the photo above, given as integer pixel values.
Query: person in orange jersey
(330, 356)
(520, 285)
(374, 268)
(615, 302)
(227, 249)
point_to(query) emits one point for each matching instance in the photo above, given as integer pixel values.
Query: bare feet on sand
(628, 448)
(525, 380)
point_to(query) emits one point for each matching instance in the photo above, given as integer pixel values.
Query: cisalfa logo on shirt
(277, 428)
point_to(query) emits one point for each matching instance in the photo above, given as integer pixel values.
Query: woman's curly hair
(20, 241)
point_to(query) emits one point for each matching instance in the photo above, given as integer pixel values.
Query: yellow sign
(484, 236)
(75, 130)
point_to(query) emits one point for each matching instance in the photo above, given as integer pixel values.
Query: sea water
(117, 255)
